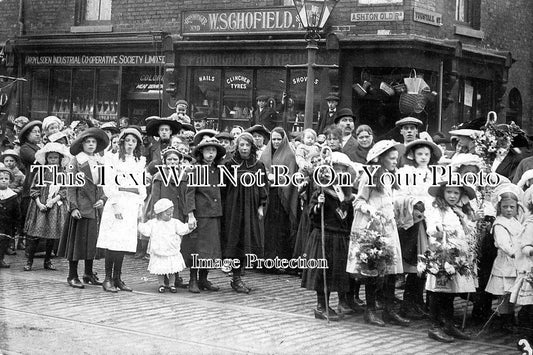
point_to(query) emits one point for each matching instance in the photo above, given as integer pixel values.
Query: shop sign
(240, 21)
(377, 16)
(302, 80)
(95, 60)
(148, 82)
(238, 82)
(428, 17)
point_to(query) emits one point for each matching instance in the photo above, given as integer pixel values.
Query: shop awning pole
(439, 112)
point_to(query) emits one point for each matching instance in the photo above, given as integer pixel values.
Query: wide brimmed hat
(21, 121)
(344, 112)
(54, 137)
(10, 153)
(463, 159)
(262, 130)
(506, 188)
(435, 150)
(468, 191)
(27, 128)
(200, 116)
(332, 97)
(131, 130)
(188, 127)
(210, 142)
(379, 148)
(170, 150)
(201, 134)
(111, 127)
(526, 176)
(53, 147)
(225, 135)
(470, 133)
(152, 126)
(47, 121)
(409, 120)
(102, 140)
(528, 196)
(162, 205)
(4, 169)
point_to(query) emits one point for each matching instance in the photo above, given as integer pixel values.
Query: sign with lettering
(94, 60)
(429, 17)
(377, 16)
(240, 21)
(149, 82)
(239, 82)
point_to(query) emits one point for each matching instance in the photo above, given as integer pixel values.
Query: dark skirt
(204, 241)
(336, 248)
(278, 240)
(78, 241)
(47, 225)
(304, 228)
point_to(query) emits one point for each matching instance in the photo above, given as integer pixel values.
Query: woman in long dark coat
(243, 209)
(85, 203)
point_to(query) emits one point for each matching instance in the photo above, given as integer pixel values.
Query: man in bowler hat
(264, 114)
(327, 117)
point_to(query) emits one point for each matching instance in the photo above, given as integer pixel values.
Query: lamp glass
(313, 14)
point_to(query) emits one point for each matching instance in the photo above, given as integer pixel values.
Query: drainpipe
(22, 30)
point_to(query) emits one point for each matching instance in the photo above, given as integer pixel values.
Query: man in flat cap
(327, 117)
(409, 129)
(264, 114)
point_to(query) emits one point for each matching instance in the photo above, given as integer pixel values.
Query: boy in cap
(264, 114)
(327, 117)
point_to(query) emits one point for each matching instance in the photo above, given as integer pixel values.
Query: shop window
(205, 94)
(142, 93)
(60, 94)
(271, 83)
(39, 93)
(83, 94)
(475, 98)
(468, 12)
(237, 101)
(514, 112)
(107, 92)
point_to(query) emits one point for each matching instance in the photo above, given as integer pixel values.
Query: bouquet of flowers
(495, 139)
(375, 255)
(444, 260)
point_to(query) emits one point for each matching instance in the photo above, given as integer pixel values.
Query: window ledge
(469, 32)
(94, 28)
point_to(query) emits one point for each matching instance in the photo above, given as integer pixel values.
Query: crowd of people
(102, 192)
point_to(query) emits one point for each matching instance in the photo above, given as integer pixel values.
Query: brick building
(105, 59)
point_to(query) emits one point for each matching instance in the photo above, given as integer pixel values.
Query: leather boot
(204, 283)
(320, 311)
(390, 316)
(48, 254)
(408, 310)
(437, 333)
(119, 284)
(31, 245)
(4, 244)
(238, 285)
(193, 281)
(450, 329)
(108, 285)
(372, 318)
(344, 306)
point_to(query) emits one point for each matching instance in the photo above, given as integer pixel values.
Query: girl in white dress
(165, 235)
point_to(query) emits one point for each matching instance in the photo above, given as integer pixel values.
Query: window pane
(83, 94)
(60, 94)
(238, 84)
(105, 10)
(93, 10)
(271, 82)
(298, 88)
(39, 94)
(107, 95)
(205, 94)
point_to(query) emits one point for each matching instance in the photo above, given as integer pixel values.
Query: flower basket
(371, 250)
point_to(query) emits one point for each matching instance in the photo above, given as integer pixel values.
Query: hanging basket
(412, 103)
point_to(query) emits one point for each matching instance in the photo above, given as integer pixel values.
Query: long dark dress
(242, 234)
(338, 217)
(9, 215)
(304, 227)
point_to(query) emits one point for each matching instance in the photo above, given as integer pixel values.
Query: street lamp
(313, 15)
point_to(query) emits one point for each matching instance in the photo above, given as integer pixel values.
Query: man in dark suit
(345, 121)
(264, 114)
(327, 117)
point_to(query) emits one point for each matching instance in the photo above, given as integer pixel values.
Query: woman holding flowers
(374, 211)
(449, 262)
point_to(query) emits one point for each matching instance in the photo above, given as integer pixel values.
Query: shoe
(29, 266)
(455, 332)
(4, 265)
(239, 286)
(420, 309)
(119, 284)
(193, 286)
(10, 251)
(345, 309)
(139, 255)
(372, 318)
(179, 283)
(173, 289)
(409, 311)
(49, 266)
(359, 302)
(75, 282)
(108, 286)
(394, 318)
(207, 285)
(320, 313)
(91, 279)
(436, 333)
(161, 289)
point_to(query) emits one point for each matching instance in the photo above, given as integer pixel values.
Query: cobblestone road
(40, 314)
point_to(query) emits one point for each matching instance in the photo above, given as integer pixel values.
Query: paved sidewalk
(39, 313)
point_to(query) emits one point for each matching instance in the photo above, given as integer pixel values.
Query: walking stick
(325, 153)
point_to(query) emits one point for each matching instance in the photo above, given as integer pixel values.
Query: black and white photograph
(266, 177)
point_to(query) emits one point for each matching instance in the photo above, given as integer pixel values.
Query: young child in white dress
(507, 199)
(165, 235)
